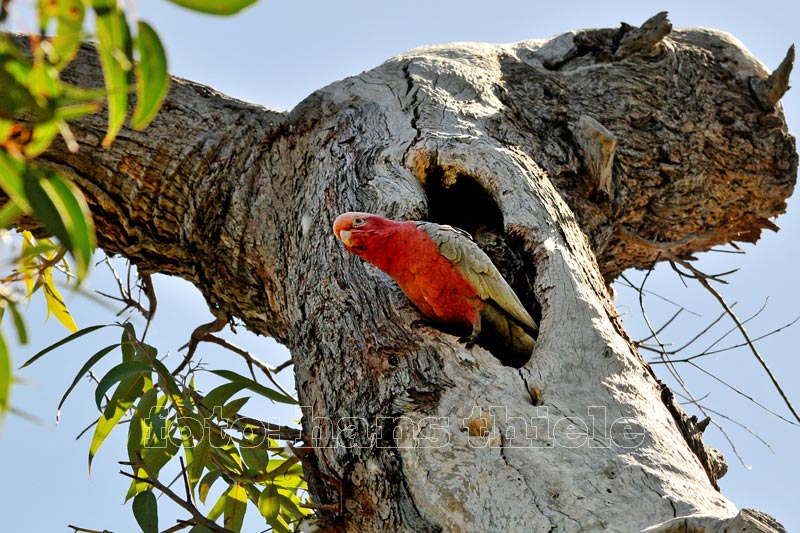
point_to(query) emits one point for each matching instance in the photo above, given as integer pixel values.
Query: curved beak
(344, 236)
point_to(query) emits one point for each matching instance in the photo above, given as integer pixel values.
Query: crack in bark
(645, 477)
(411, 92)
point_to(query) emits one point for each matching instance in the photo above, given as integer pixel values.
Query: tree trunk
(571, 159)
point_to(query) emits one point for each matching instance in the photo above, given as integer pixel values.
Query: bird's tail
(507, 339)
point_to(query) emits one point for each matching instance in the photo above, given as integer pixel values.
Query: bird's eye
(358, 221)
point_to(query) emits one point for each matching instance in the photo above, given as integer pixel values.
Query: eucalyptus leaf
(62, 342)
(215, 7)
(152, 80)
(145, 510)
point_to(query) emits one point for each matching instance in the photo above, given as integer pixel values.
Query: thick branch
(175, 198)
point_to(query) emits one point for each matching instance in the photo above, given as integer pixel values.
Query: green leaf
(232, 409)
(157, 453)
(206, 483)
(225, 454)
(5, 376)
(219, 396)
(215, 7)
(165, 377)
(75, 111)
(129, 389)
(19, 323)
(145, 510)
(159, 427)
(68, 35)
(62, 342)
(200, 455)
(235, 507)
(11, 171)
(43, 81)
(252, 492)
(74, 94)
(6, 129)
(47, 10)
(280, 526)
(255, 457)
(82, 372)
(128, 342)
(152, 80)
(289, 504)
(43, 135)
(254, 386)
(216, 511)
(268, 503)
(292, 478)
(119, 373)
(140, 429)
(114, 48)
(45, 207)
(15, 70)
(283, 467)
(61, 207)
(9, 213)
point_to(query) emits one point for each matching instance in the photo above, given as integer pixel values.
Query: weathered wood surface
(421, 433)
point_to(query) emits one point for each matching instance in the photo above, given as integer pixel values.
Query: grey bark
(411, 430)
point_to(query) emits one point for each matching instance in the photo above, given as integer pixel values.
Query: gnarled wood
(424, 434)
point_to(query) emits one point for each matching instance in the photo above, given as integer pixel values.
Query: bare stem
(198, 517)
(703, 280)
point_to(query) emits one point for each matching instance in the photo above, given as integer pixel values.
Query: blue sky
(275, 54)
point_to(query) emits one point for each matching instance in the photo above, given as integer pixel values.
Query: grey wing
(458, 247)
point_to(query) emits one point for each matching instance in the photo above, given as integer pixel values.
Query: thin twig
(125, 296)
(698, 400)
(151, 479)
(87, 428)
(48, 263)
(740, 393)
(150, 293)
(654, 334)
(696, 274)
(182, 524)
(92, 376)
(77, 529)
(703, 331)
(738, 251)
(734, 328)
(663, 327)
(704, 282)
(189, 497)
(734, 421)
(733, 346)
(205, 333)
(660, 297)
(251, 360)
(289, 362)
(679, 379)
(197, 335)
(309, 466)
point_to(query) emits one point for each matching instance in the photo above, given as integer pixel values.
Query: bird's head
(356, 229)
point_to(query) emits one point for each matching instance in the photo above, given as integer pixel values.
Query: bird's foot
(469, 340)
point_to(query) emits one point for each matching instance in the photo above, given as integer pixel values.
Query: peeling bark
(424, 434)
